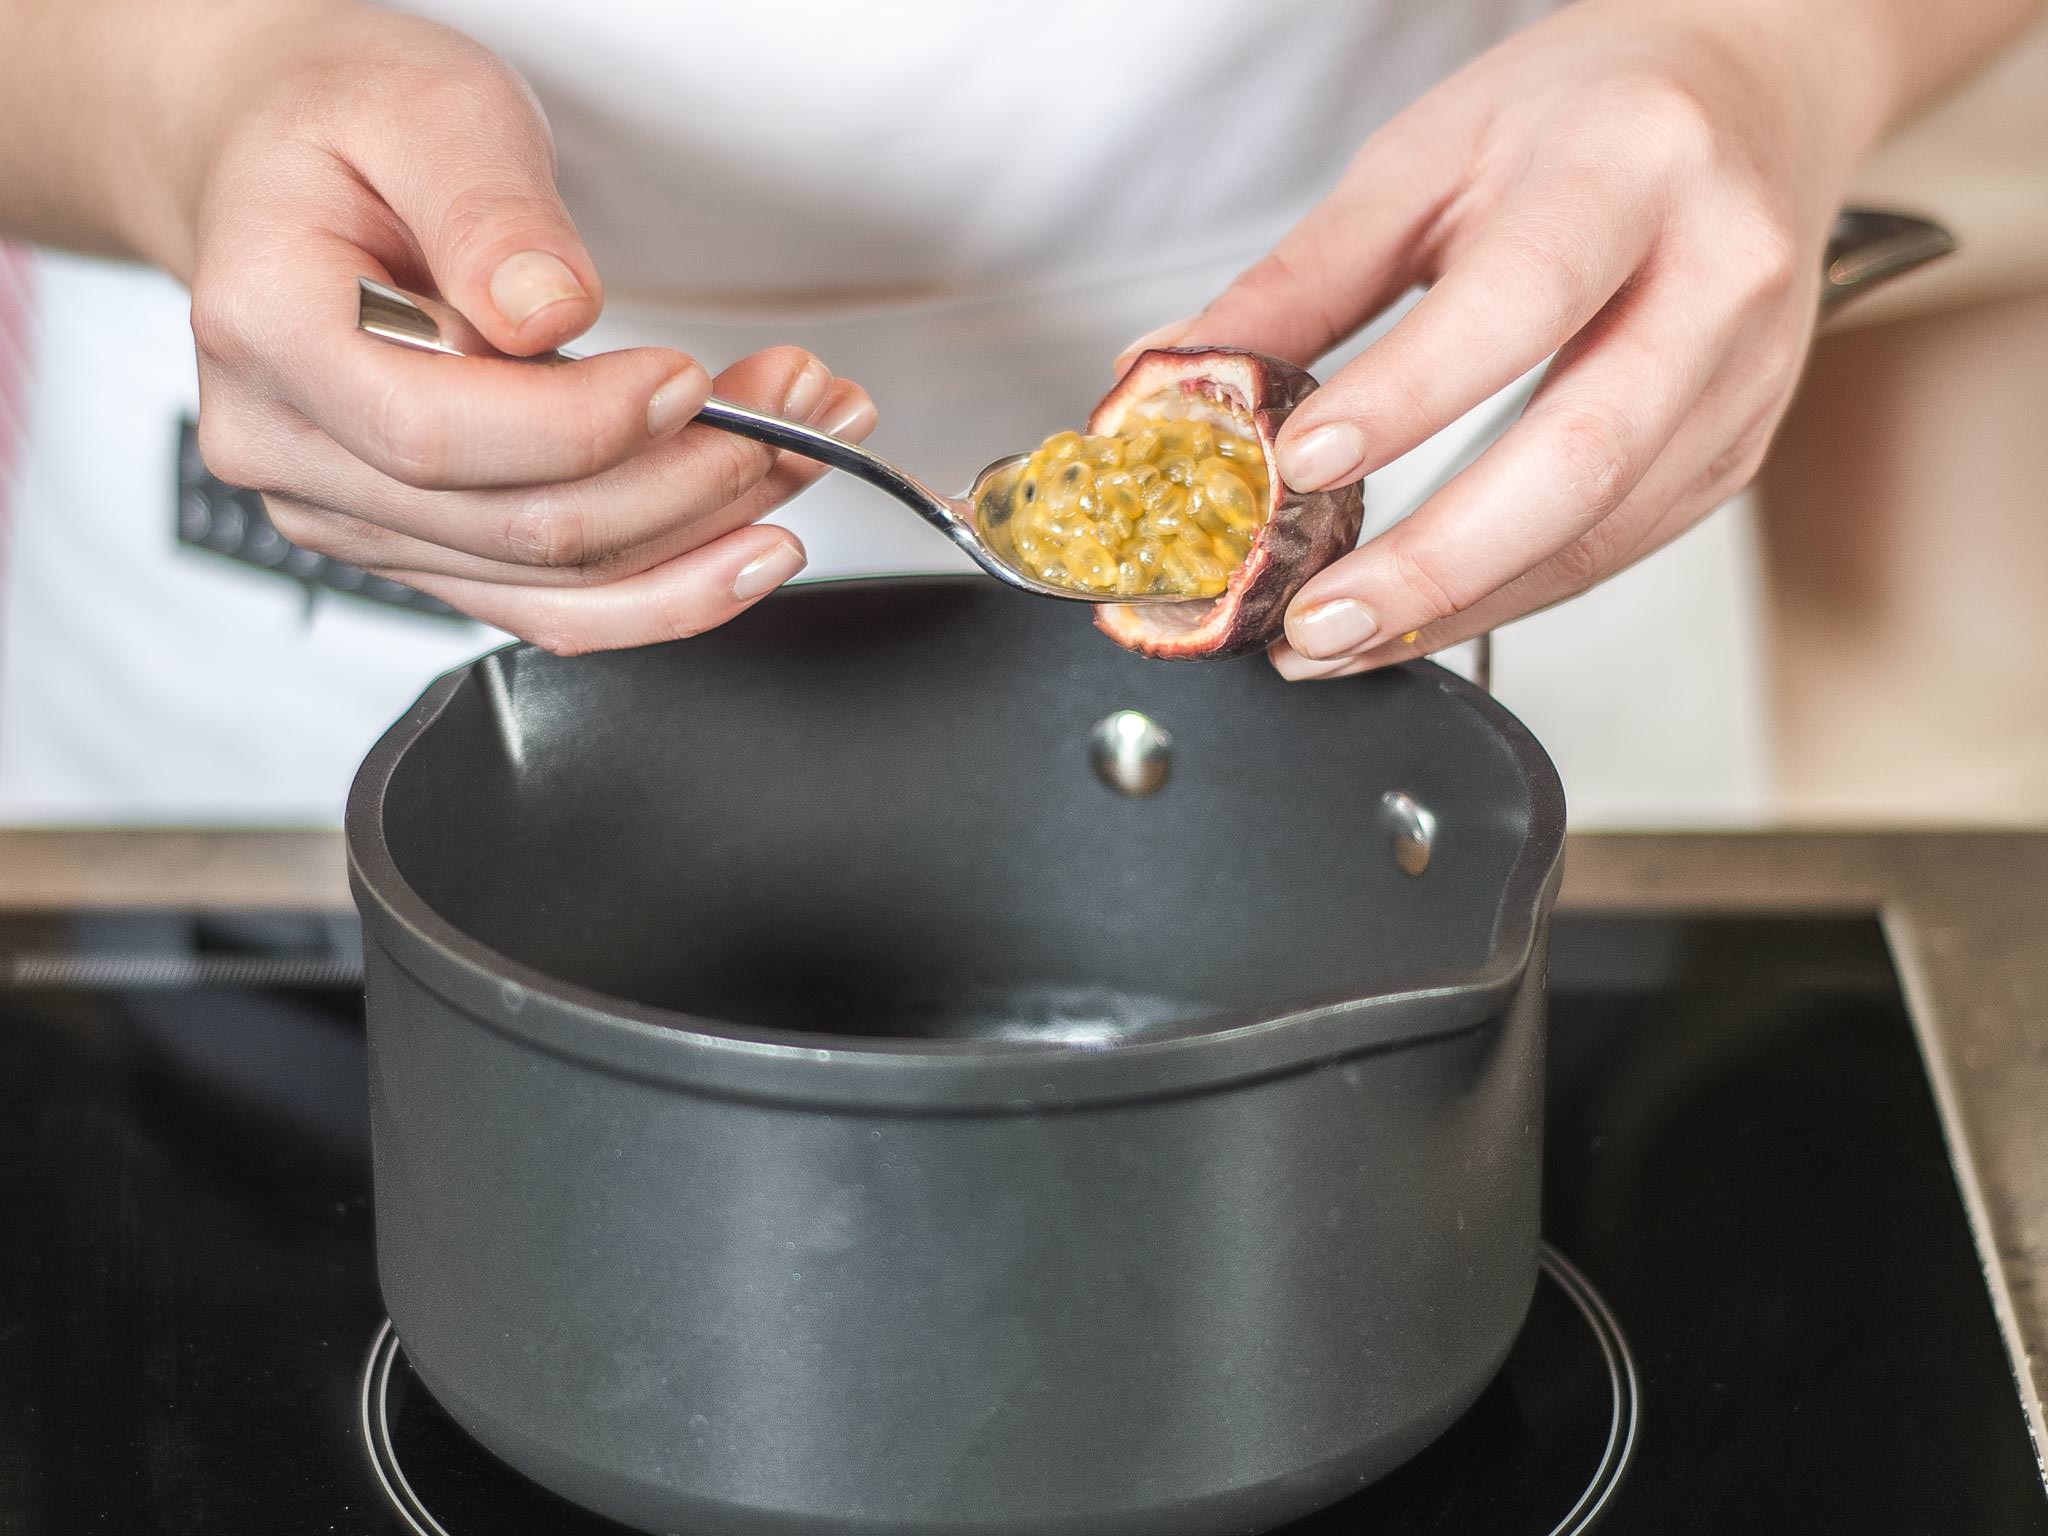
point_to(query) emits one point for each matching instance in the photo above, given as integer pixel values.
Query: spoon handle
(429, 326)
(810, 443)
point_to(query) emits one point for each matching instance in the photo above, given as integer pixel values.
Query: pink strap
(16, 312)
(16, 295)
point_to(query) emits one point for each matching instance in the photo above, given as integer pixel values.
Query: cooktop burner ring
(1623, 1381)
(376, 1425)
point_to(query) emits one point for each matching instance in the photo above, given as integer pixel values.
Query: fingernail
(852, 419)
(1162, 336)
(678, 398)
(807, 392)
(764, 573)
(529, 282)
(1322, 456)
(1297, 668)
(1331, 629)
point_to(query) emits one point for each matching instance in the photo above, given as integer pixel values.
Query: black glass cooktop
(1760, 1309)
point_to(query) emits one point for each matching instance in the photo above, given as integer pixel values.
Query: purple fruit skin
(1305, 533)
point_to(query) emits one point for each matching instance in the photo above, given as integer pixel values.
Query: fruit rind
(1304, 532)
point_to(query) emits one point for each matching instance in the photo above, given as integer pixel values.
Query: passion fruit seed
(1195, 423)
(1165, 505)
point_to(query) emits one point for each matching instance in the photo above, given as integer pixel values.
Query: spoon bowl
(426, 325)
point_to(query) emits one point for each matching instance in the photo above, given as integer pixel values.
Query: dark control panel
(226, 520)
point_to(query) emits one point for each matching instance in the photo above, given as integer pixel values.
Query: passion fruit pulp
(1173, 489)
(1168, 504)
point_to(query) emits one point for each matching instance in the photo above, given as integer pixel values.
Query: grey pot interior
(1176, 1156)
(870, 812)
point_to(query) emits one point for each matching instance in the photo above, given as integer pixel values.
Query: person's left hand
(1643, 189)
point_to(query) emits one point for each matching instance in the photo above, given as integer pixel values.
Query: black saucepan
(808, 1098)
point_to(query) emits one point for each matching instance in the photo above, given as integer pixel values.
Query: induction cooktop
(1760, 1308)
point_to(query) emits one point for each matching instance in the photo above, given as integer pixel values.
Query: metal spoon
(427, 325)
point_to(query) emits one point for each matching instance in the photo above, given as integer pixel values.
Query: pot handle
(1867, 247)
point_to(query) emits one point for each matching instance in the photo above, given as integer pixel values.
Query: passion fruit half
(1173, 489)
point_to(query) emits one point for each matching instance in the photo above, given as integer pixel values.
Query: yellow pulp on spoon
(1170, 503)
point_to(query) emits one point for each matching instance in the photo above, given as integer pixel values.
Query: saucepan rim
(680, 1049)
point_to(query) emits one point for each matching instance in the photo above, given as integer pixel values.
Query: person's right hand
(574, 505)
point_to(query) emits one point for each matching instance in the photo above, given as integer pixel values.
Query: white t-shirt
(969, 226)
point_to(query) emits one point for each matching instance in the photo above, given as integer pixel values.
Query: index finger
(440, 422)
(1543, 268)
(1600, 419)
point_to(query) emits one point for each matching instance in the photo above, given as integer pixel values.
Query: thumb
(477, 191)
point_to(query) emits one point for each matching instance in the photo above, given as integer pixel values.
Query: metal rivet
(195, 517)
(230, 526)
(1411, 830)
(1132, 754)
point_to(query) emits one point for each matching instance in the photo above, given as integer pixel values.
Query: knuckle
(1271, 273)
(217, 320)
(486, 216)
(763, 379)
(1288, 276)
(337, 535)
(1768, 255)
(1785, 362)
(1545, 261)
(684, 622)
(1434, 591)
(1672, 118)
(417, 445)
(601, 567)
(228, 449)
(554, 636)
(1737, 464)
(1575, 569)
(466, 225)
(1587, 559)
(737, 473)
(1591, 449)
(786, 362)
(1577, 566)
(725, 470)
(548, 535)
(298, 524)
(598, 567)
(1408, 398)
